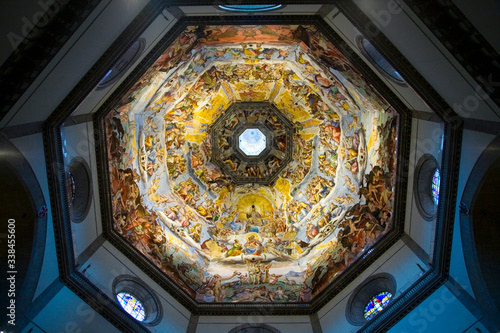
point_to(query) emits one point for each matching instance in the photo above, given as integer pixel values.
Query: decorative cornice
(68, 273)
(450, 165)
(424, 287)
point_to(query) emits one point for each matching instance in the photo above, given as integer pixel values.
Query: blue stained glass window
(377, 304)
(130, 304)
(252, 142)
(436, 182)
(249, 8)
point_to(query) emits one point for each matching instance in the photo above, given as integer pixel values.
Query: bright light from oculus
(132, 305)
(252, 142)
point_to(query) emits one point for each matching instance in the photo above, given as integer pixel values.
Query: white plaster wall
(31, 147)
(426, 139)
(68, 313)
(473, 145)
(441, 312)
(399, 261)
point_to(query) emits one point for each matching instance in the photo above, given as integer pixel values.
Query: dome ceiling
(230, 221)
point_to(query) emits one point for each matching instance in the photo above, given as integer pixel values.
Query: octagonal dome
(261, 124)
(210, 225)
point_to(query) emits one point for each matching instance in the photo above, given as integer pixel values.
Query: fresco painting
(282, 242)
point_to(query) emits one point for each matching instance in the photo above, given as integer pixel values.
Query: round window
(378, 60)
(436, 181)
(363, 305)
(132, 305)
(426, 186)
(377, 304)
(249, 8)
(138, 299)
(70, 186)
(78, 189)
(122, 64)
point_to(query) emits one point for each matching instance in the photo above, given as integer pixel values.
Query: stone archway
(480, 227)
(24, 226)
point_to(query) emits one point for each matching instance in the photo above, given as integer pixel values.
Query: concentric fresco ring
(278, 224)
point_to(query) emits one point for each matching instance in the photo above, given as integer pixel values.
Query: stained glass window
(130, 304)
(377, 304)
(436, 182)
(252, 142)
(70, 187)
(249, 8)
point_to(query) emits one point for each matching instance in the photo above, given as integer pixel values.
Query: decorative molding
(68, 273)
(420, 290)
(219, 130)
(450, 165)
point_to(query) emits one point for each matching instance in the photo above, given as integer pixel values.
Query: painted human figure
(253, 245)
(274, 279)
(311, 231)
(255, 217)
(305, 293)
(235, 250)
